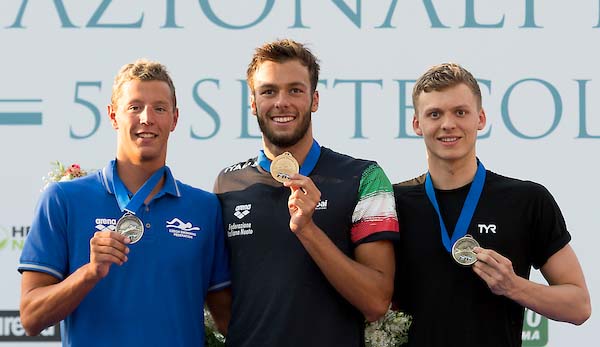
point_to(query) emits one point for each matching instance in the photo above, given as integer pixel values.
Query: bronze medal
(283, 166)
(130, 226)
(462, 250)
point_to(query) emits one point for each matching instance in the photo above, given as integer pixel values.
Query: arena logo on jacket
(242, 228)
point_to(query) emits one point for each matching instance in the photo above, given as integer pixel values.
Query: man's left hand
(496, 270)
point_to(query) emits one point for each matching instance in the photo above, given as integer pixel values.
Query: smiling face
(144, 116)
(449, 119)
(283, 102)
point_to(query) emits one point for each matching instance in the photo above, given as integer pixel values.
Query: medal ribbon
(133, 204)
(309, 163)
(468, 209)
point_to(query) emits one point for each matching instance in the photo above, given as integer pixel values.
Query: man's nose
(448, 122)
(146, 116)
(282, 100)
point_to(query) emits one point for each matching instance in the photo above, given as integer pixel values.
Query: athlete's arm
(367, 282)
(566, 298)
(45, 300)
(219, 305)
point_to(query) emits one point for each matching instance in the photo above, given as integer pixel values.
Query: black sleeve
(549, 228)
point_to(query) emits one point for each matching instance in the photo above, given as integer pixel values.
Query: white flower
(389, 331)
(64, 178)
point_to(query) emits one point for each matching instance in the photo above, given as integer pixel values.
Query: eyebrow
(437, 108)
(431, 109)
(460, 106)
(275, 86)
(134, 101)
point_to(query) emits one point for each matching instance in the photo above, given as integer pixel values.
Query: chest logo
(106, 224)
(322, 205)
(242, 211)
(178, 228)
(486, 228)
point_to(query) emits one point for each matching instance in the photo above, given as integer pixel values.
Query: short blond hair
(442, 76)
(141, 70)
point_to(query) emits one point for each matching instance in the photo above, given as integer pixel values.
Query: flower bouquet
(213, 338)
(389, 331)
(60, 173)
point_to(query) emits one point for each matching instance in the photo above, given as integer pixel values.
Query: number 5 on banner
(89, 106)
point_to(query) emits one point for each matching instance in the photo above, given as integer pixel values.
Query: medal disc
(283, 166)
(462, 250)
(130, 226)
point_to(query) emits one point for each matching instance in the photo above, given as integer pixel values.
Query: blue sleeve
(220, 275)
(45, 248)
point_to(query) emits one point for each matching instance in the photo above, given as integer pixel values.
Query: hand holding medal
(107, 248)
(497, 271)
(300, 203)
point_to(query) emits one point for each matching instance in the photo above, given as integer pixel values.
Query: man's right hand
(46, 300)
(107, 248)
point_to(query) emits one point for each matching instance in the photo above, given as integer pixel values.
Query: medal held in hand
(130, 226)
(460, 245)
(462, 250)
(283, 166)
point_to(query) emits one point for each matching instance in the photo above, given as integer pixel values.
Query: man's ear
(112, 115)
(315, 101)
(417, 125)
(253, 104)
(482, 120)
(175, 119)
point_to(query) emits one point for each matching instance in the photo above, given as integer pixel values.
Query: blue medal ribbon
(309, 163)
(468, 209)
(133, 204)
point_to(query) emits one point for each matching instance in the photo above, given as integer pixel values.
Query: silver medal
(462, 250)
(130, 226)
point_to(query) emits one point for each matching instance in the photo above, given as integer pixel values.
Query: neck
(448, 175)
(299, 150)
(134, 175)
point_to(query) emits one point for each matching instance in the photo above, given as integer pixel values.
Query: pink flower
(60, 174)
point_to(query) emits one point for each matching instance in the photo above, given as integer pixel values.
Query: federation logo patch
(178, 228)
(239, 229)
